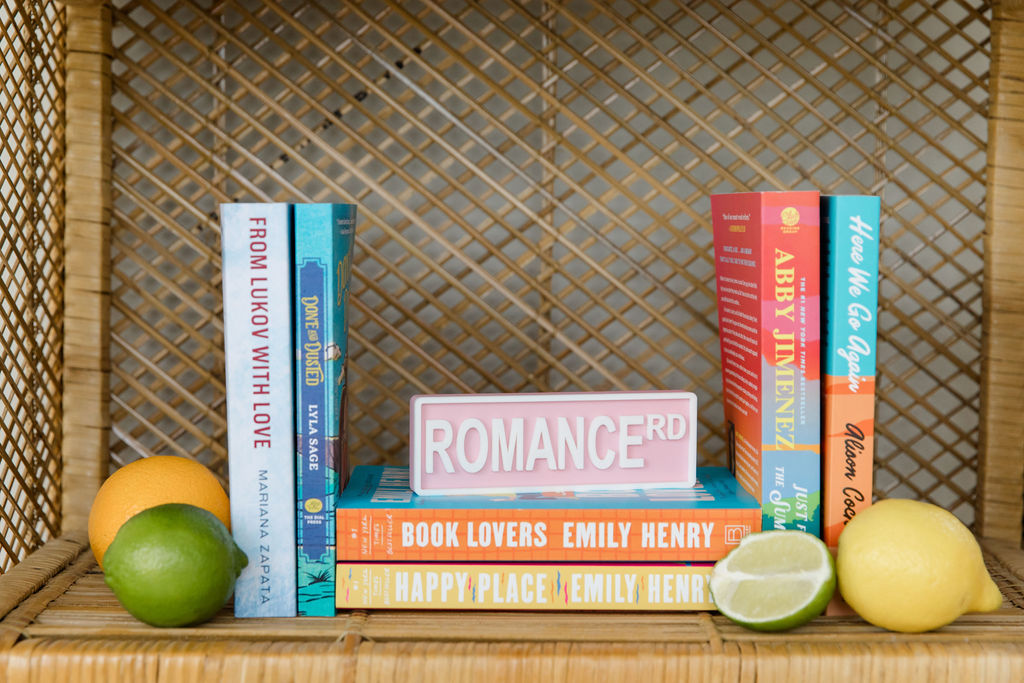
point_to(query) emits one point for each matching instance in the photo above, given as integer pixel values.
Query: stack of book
(286, 273)
(643, 549)
(794, 271)
(797, 289)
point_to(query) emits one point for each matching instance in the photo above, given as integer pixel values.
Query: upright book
(768, 279)
(546, 587)
(850, 233)
(381, 520)
(257, 266)
(324, 235)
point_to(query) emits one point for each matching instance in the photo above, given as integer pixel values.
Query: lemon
(148, 482)
(774, 580)
(910, 566)
(173, 565)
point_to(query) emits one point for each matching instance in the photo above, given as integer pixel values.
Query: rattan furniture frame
(58, 621)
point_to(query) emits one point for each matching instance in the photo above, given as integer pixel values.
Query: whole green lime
(173, 565)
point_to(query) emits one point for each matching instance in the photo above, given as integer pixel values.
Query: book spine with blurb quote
(256, 250)
(767, 274)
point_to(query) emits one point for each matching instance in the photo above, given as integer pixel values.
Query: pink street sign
(486, 443)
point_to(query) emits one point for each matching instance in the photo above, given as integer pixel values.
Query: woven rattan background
(31, 273)
(533, 179)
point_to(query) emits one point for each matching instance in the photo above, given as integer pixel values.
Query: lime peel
(774, 580)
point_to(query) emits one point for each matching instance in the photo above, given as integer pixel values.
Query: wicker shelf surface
(72, 623)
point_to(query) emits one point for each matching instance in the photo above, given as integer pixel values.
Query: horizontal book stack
(589, 550)
(286, 272)
(797, 290)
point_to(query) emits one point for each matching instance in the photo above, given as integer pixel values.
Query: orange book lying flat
(380, 519)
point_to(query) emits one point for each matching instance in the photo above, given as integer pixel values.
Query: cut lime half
(774, 580)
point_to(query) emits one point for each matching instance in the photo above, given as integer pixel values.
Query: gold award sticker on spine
(790, 219)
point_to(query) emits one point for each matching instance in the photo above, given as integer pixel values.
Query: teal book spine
(259, 379)
(850, 246)
(324, 239)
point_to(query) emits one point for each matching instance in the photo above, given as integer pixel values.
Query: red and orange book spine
(768, 285)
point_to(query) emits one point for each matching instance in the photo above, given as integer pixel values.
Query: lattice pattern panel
(533, 179)
(31, 270)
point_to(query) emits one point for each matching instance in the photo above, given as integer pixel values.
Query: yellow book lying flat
(640, 587)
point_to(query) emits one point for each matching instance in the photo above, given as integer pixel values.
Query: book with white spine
(257, 264)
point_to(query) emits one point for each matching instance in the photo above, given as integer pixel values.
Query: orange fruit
(149, 482)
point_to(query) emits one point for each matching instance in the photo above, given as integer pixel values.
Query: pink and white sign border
(654, 432)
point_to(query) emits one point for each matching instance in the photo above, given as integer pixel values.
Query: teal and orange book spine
(380, 519)
(324, 239)
(767, 276)
(850, 245)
